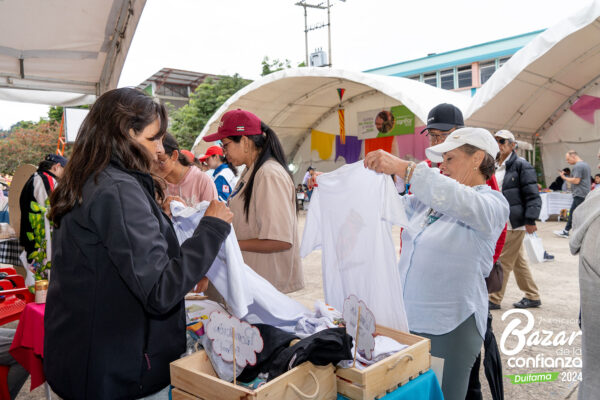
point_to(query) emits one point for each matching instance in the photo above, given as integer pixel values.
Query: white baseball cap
(504, 134)
(478, 137)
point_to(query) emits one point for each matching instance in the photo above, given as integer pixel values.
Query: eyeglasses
(501, 141)
(438, 135)
(224, 145)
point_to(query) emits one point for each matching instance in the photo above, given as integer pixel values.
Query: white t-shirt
(350, 218)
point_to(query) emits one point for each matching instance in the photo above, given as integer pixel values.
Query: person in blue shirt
(224, 175)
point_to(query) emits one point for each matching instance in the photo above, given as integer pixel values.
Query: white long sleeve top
(447, 250)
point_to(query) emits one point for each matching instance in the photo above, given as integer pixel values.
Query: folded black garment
(324, 347)
(275, 340)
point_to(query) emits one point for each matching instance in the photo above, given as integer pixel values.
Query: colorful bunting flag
(341, 92)
(322, 142)
(342, 125)
(350, 150)
(383, 143)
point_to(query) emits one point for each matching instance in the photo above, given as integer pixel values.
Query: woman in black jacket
(115, 312)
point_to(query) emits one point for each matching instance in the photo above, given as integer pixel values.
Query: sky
(233, 36)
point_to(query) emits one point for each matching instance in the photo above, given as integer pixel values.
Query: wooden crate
(194, 378)
(386, 375)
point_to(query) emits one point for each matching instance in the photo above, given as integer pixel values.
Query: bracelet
(409, 168)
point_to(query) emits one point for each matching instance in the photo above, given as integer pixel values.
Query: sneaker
(493, 306)
(562, 234)
(548, 256)
(526, 303)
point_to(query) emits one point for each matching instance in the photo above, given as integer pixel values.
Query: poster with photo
(397, 120)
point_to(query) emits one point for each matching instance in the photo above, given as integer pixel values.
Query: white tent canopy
(64, 52)
(532, 93)
(295, 101)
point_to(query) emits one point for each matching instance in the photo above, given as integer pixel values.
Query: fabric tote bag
(534, 247)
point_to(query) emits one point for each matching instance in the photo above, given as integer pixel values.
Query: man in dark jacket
(38, 188)
(518, 181)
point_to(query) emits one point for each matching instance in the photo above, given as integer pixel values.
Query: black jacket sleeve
(131, 233)
(530, 195)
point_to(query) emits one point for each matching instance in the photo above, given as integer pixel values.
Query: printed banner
(398, 120)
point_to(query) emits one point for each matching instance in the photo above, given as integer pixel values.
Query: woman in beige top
(263, 201)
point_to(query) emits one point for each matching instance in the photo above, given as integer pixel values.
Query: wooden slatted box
(386, 375)
(194, 378)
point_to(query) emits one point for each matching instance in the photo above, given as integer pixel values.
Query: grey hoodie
(585, 240)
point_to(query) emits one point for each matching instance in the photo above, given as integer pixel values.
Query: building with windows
(174, 86)
(463, 70)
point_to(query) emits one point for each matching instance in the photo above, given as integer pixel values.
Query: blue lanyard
(240, 186)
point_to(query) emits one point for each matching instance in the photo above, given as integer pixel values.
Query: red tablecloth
(28, 345)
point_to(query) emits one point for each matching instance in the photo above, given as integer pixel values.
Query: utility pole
(319, 6)
(305, 36)
(329, 32)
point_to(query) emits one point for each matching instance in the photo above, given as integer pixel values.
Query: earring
(475, 169)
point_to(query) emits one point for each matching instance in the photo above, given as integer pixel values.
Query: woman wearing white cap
(447, 251)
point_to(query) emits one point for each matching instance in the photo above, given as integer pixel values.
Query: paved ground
(559, 289)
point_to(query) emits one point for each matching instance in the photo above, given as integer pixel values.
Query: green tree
(189, 120)
(23, 125)
(28, 143)
(55, 113)
(270, 66)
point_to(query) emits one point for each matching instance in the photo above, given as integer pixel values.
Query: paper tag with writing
(248, 341)
(366, 341)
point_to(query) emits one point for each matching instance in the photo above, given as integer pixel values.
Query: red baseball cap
(211, 151)
(189, 155)
(236, 123)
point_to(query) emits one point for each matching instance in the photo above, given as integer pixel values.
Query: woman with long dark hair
(114, 313)
(264, 200)
(184, 180)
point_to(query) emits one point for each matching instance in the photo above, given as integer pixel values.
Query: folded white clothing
(384, 347)
(308, 326)
(327, 311)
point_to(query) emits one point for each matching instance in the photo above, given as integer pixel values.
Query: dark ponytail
(231, 166)
(270, 147)
(170, 144)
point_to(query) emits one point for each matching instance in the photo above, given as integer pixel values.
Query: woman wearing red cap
(223, 174)
(263, 202)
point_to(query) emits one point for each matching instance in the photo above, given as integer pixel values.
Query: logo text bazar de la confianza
(522, 329)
